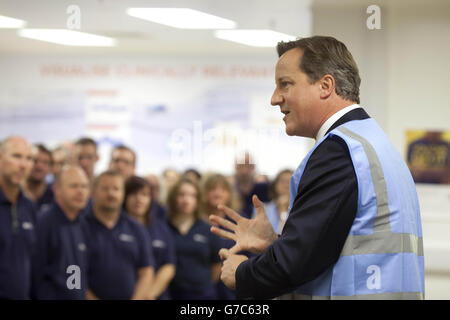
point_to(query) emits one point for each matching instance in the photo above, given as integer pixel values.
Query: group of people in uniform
(67, 233)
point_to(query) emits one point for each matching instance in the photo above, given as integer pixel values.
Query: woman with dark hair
(137, 203)
(198, 262)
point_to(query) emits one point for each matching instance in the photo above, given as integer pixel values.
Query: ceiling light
(255, 38)
(68, 37)
(11, 23)
(182, 18)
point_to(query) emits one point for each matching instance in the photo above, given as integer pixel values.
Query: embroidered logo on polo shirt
(158, 243)
(200, 238)
(45, 207)
(27, 226)
(126, 237)
(81, 247)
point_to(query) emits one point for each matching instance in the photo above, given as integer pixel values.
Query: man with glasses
(123, 160)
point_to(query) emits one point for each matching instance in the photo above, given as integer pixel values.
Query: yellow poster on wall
(428, 156)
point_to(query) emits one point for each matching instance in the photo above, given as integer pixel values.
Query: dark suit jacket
(318, 224)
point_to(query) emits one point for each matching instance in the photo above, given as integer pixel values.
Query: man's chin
(109, 208)
(79, 205)
(290, 132)
(17, 182)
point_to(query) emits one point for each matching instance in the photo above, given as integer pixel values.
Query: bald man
(60, 266)
(17, 217)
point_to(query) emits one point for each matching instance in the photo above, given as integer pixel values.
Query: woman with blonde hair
(217, 190)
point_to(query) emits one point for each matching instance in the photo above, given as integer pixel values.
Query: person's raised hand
(254, 235)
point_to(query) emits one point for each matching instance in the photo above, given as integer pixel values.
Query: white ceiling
(135, 36)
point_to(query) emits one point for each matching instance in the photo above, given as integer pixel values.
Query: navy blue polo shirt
(196, 252)
(158, 210)
(261, 190)
(46, 200)
(60, 243)
(163, 246)
(17, 241)
(115, 255)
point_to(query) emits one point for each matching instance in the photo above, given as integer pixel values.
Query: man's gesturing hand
(253, 235)
(230, 263)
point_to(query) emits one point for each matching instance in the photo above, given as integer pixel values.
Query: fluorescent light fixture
(182, 18)
(255, 38)
(68, 37)
(11, 23)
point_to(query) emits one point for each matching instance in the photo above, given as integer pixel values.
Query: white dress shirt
(331, 120)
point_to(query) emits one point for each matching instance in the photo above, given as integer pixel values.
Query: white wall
(435, 203)
(368, 47)
(419, 64)
(418, 97)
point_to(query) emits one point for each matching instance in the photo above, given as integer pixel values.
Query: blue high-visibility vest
(383, 255)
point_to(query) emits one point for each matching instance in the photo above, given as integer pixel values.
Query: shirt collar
(5, 200)
(59, 211)
(94, 218)
(331, 120)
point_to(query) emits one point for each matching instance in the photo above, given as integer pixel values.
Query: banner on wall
(190, 113)
(428, 156)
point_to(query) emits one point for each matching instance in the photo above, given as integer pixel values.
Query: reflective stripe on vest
(382, 240)
(381, 221)
(375, 296)
(381, 260)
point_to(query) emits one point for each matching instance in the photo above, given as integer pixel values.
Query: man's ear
(326, 86)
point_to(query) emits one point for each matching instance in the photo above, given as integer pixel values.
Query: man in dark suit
(317, 88)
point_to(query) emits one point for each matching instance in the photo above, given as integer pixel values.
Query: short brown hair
(108, 173)
(133, 185)
(42, 148)
(326, 55)
(125, 148)
(83, 141)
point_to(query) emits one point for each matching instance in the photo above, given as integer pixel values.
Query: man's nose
(276, 99)
(25, 163)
